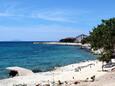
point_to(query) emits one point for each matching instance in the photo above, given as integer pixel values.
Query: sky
(51, 20)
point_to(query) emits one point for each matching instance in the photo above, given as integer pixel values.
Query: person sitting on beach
(93, 78)
(66, 82)
(59, 82)
(76, 82)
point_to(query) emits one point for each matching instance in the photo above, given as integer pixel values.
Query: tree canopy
(103, 36)
(68, 40)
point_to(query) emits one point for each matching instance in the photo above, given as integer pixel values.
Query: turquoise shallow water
(39, 57)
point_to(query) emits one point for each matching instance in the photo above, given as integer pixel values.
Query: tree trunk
(114, 51)
(102, 65)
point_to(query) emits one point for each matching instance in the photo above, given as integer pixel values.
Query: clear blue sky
(51, 20)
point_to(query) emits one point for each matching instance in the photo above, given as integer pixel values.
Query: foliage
(85, 40)
(103, 36)
(68, 40)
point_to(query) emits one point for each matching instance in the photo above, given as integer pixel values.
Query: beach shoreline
(59, 43)
(70, 73)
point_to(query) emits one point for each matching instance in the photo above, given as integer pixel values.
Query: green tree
(103, 36)
(85, 40)
(71, 40)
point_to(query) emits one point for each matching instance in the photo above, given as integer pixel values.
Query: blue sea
(39, 57)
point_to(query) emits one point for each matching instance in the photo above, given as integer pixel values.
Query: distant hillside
(74, 39)
(70, 39)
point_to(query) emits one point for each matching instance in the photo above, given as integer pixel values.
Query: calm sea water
(39, 57)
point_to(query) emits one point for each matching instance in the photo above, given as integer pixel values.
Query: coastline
(67, 73)
(59, 43)
(83, 46)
